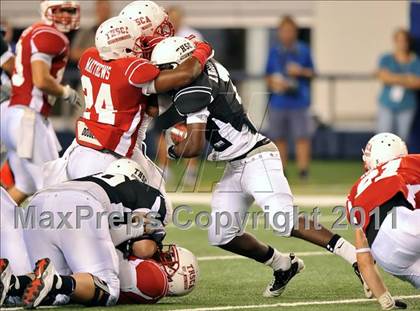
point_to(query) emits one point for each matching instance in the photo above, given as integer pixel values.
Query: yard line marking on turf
(304, 200)
(229, 257)
(292, 304)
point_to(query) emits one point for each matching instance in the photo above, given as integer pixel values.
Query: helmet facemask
(65, 17)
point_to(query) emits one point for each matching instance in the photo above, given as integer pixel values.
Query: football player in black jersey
(212, 110)
(76, 253)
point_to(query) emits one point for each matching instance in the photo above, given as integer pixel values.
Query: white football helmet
(63, 15)
(116, 38)
(382, 148)
(128, 168)
(181, 267)
(150, 18)
(171, 52)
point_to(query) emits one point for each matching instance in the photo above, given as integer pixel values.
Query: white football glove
(70, 96)
(387, 302)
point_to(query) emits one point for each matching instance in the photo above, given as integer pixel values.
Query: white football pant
(81, 245)
(79, 161)
(257, 178)
(397, 250)
(12, 244)
(30, 141)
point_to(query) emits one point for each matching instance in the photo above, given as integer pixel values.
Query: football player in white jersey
(90, 216)
(213, 111)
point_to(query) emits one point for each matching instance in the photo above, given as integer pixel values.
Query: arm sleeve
(416, 67)
(48, 42)
(140, 73)
(271, 66)
(383, 62)
(308, 63)
(198, 117)
(45, 45)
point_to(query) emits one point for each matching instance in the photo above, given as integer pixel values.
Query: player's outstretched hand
(387, 302)
(71, 97)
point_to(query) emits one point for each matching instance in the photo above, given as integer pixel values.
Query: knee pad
(281, 214)
(221, 231)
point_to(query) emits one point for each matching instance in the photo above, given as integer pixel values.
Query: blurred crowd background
(318, 77)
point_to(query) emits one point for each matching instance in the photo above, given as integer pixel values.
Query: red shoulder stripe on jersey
(130, 66)
(49, 47)
(146, 74)
(51, 30)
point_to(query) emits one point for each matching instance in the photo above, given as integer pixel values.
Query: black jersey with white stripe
(229, 130)
(133, 195)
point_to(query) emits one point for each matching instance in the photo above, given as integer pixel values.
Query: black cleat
(282, 278)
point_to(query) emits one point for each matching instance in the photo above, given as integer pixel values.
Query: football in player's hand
(179, 132)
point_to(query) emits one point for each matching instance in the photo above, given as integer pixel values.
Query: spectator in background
(288, 74)
(176, 16)
(399, 72)
(85, 38)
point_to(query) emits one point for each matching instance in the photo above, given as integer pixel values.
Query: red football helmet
(181, 267)
(142, 282)
(63, 15)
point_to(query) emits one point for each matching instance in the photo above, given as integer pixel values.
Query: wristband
(202, 53)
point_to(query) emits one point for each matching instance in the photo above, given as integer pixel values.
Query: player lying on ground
(41, 57)
(385, 204)
(79, 258)
(213, 111)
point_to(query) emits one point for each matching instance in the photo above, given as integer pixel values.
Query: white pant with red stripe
(396, 248)
(30, 141)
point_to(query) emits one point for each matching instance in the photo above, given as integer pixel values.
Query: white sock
(345, 250)
(279, 261)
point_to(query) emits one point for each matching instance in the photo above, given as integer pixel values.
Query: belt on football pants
(259, 144)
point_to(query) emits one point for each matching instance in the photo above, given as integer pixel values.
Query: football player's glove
(70, 96)
(387, 302)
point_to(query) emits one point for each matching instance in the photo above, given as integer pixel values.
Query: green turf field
(238, 283)
(326, 177)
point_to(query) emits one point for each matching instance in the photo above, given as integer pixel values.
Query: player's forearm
(43, 80)
(193, 145)
(9, 65)
(49, 86)
(371, 274)
(179, 77)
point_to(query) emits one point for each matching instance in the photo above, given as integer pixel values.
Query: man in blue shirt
(289, 71)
